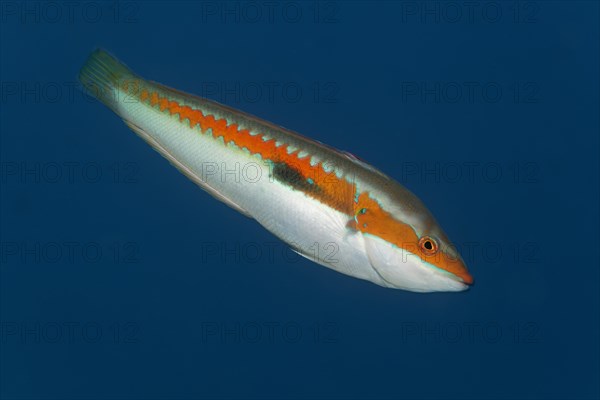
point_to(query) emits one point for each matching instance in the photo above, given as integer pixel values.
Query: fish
(326, 204)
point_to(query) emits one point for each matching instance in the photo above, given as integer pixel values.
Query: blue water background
(489, 114)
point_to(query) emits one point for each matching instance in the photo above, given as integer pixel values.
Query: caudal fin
(102, 75)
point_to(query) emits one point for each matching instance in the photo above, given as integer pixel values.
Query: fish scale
(311, 196)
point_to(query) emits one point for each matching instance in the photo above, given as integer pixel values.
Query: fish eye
(428, 245)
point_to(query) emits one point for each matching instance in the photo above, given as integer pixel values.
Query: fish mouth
(459, 283)
(454, 282)
(461, 275)
(465, 278)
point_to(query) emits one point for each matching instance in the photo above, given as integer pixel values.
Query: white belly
(312, 228)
